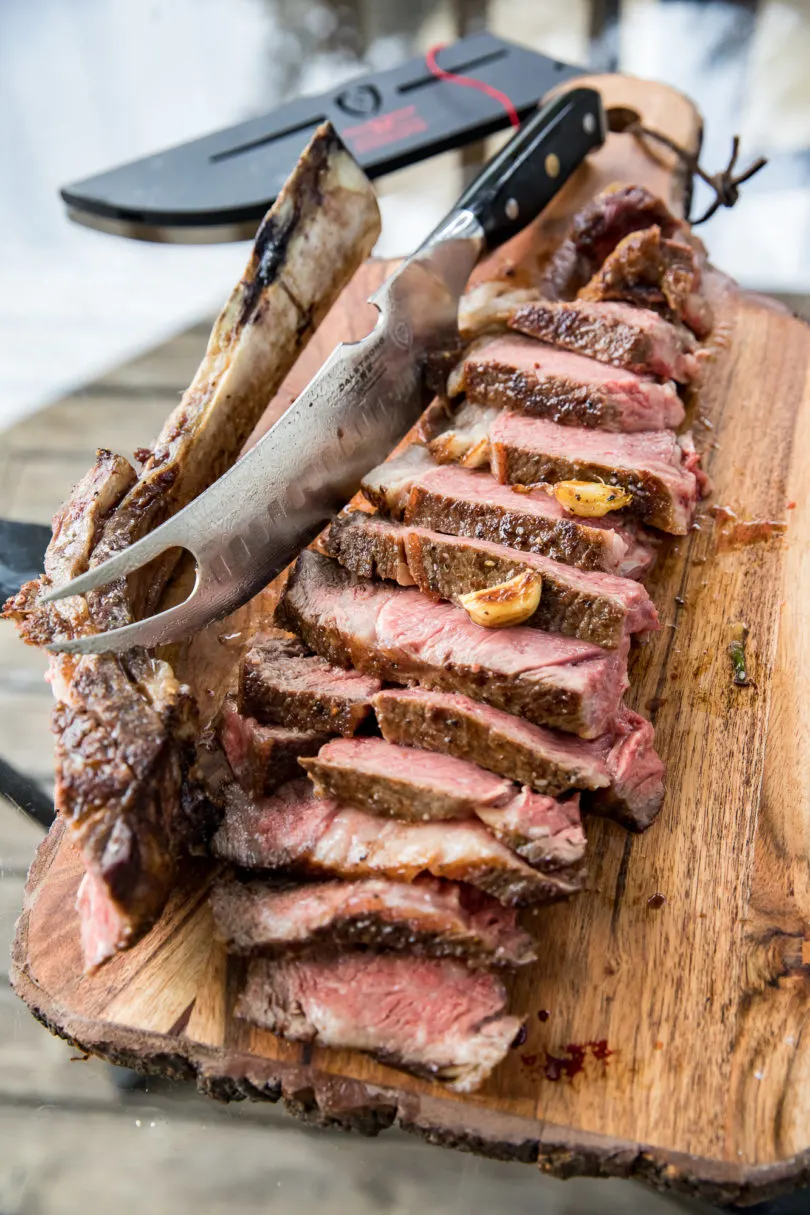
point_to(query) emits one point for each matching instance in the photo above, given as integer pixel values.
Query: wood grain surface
(667, 1015)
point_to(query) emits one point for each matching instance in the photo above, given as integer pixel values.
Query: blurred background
(93, 325)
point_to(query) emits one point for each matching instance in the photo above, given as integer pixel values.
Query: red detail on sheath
(472, 83)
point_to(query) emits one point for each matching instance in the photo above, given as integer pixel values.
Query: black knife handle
(523, 178)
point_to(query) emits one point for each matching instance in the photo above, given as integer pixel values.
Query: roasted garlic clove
(592, 499)
(512, 602)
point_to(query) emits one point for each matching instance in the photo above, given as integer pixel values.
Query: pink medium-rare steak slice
(620, 772)
(433, 1017)
(511, 371)
(295, 830)
(281, 684)
(460, 502)
(655, 467)
(405, 637)
(636, 791)
(592, 606)
(612, 332)
(263, 757)
(426, 917)
(421, 786)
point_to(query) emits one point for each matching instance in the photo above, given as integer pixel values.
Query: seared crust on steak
(612, 332)
(426, 917)
(280, 683)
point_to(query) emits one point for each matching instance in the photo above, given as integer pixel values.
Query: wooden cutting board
(668, 1013)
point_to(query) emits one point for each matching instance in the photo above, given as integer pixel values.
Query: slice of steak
(621, 770)
(404, 637)
(297, 831)
(435, 1018)
(612, 332)
(281, 684)
(647, 269)
(510, 371)
(593, 606)
(421, 786)
(464, 503)
(425, 917)
(263, 757)
(636, 791)
(651, 466)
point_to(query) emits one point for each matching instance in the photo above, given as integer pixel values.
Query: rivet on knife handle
(525, 175)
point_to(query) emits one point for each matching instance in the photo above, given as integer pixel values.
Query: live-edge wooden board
(668, 1013)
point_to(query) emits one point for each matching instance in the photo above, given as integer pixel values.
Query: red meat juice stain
(544, 1014)
(656, 901)
(565, 1067)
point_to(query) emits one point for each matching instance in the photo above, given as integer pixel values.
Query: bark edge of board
(320, 1098)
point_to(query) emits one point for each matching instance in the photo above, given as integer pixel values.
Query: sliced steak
(263, 757)
(647, 269)
(593, 606)
(421, 786)
(433, 1017)
(615, 333)
(651, 466)
(295, 830)
(281, 684)
(510, 371)
(404, 637)
(636, 791)
(425, 917)
(463, 503)
(620, 771)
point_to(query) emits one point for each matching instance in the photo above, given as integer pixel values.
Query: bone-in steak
(403, 636)
(263, 757)
(616, 333)
(428, 916)
(281, 684)
(621, 770)
(593, 606)
(516, 372)
(433, 1017)
(463, 503)
(295, 830)
(652, 466)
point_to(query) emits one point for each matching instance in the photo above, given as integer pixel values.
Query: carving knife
(246, 527)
